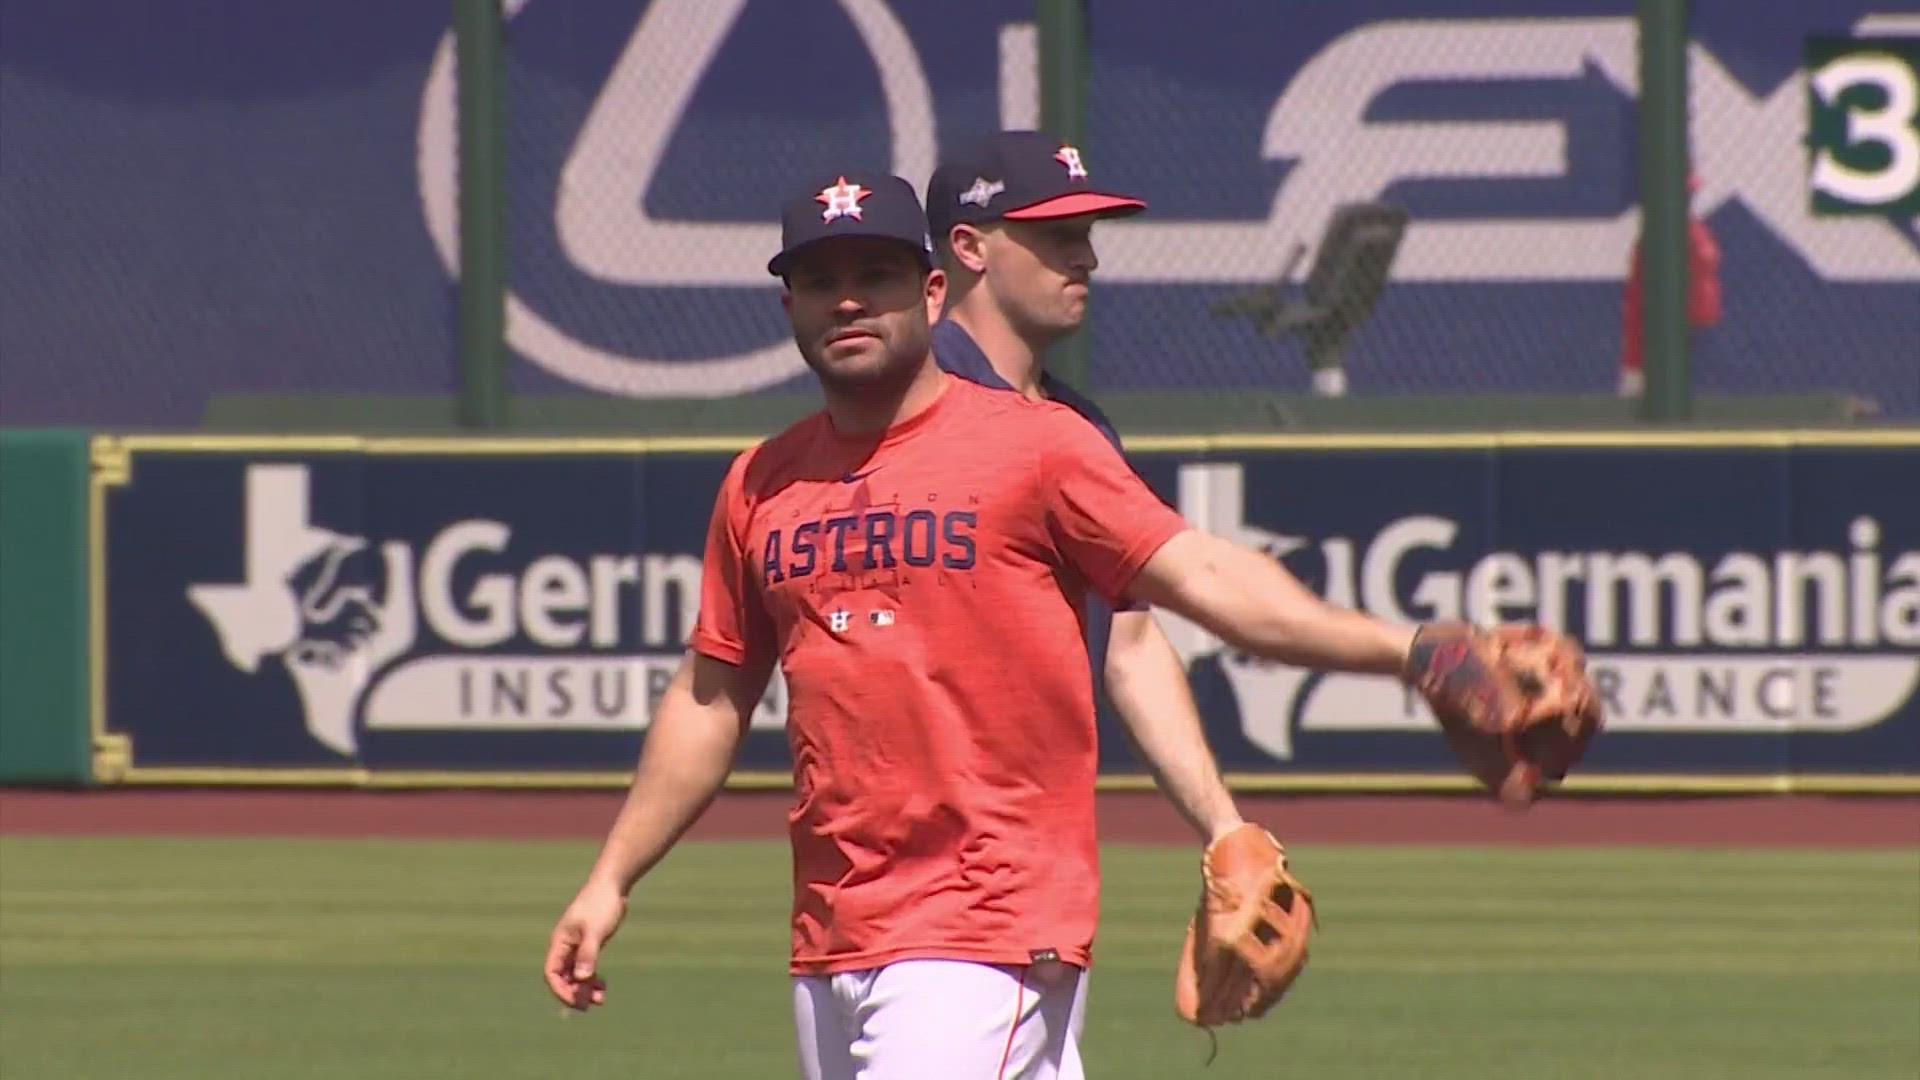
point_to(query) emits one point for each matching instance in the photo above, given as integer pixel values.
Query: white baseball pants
(942, 1020)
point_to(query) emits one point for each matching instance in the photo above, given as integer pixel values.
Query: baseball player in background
(1012, 225)
(915, 557)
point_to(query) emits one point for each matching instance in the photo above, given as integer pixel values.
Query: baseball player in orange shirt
(915, 557)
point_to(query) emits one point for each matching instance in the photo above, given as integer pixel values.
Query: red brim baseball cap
(1019, 176)
(1077, 204)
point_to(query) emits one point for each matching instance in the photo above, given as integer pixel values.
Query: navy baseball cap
(853, 203)
(1018, 176)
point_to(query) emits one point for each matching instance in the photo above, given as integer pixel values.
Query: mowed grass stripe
(384, 960)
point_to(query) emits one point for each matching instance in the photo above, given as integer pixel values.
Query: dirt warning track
(1124, 816)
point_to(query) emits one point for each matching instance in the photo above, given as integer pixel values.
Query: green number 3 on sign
(1864, 125)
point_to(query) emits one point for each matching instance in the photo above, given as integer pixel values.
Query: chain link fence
(224, 202)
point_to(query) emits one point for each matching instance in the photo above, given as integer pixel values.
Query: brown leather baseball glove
(1514, 702)
(1247, 942)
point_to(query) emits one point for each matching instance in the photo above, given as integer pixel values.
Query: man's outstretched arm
(1249, 600)
(1148, 685)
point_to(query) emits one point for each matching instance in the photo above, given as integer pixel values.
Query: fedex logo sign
(1747, 145)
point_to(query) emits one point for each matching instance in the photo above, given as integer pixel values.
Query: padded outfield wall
(233, 228)
(428, 611)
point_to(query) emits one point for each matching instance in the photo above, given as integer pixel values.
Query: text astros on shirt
(922, 593)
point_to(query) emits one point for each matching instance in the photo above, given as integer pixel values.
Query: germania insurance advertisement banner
(453, 611)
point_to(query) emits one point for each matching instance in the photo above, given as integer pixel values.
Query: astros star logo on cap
(841, 199)
(1070, 157)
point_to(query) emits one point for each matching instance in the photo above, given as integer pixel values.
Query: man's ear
(786, 297)
(936, 293)
(969, 246)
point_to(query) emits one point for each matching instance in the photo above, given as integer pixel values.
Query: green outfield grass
(417, 961)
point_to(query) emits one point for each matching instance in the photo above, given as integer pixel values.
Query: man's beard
(896, 372)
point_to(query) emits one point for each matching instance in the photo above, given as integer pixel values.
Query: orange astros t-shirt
(922, 591)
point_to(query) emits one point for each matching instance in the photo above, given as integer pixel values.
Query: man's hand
(573, 952)
(1514, 701)
(1247, 940)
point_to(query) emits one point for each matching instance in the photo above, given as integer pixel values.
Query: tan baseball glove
(1247, 943)
(1514, 702)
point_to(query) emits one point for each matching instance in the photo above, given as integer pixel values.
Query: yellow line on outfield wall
(531, 445)
(1247, 783)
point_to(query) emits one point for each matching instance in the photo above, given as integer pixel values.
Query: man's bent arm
(1252, 602)
(689, 749)
(1149, 689)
